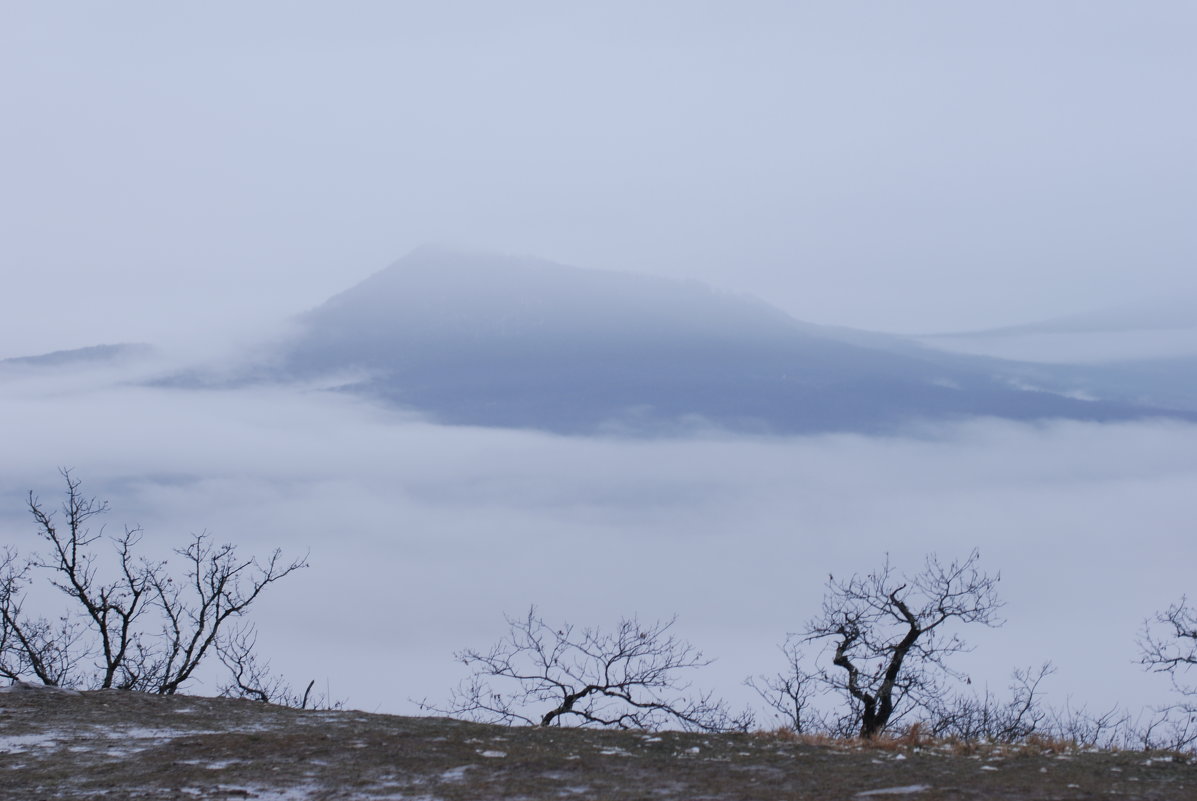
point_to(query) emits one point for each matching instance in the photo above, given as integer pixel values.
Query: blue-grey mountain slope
(501, 341)
(1142, 353)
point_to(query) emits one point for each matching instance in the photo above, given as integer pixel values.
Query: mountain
(479, 339)
(1162, 330)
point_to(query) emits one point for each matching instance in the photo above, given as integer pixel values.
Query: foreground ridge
(117, 744)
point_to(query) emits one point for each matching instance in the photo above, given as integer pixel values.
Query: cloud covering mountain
(478, 339)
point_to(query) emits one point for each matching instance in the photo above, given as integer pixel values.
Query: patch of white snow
(19, 743)
(904, 790)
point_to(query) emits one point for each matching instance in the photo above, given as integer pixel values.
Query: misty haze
(614, 312)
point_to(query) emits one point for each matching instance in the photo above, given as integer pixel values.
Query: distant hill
(1159, 336)
(479, 339)
(1174, 312)
(96, 354)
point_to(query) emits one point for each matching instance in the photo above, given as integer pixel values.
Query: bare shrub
(885, 646)
(986, 718)
(1168, 644)
(135, 627)
(47, 650)
(250, 675)
(790, 694)
(630, 678)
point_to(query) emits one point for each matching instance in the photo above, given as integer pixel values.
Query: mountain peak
(447, 291)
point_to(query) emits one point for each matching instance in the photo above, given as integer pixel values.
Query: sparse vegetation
(1169, 645)
(131, 623)
(630, 678)
(882, 631)
(76, 746)
(885, 645)
(899, 722)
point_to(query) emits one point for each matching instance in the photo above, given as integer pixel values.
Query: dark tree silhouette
(983, 716)
(137, 629)
(886, 634)
(38, 648)
(250, 675)
(1169, 644)
(552, 675)
(790, 695)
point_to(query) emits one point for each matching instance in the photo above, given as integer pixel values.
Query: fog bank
(422, 535)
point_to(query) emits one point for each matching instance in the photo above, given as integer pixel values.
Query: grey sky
(172, 169)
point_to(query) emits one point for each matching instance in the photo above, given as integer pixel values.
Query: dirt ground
(119, 745)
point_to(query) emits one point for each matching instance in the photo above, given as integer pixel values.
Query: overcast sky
(168, 169)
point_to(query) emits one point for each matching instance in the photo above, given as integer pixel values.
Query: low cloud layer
(421, 536)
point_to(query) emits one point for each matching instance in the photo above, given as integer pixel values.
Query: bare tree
(886, 635)
(111, 609)
(1025, 717)
(1168, 644)
(1111, 729)
(790, 694)
(250, 675)
(139, 629)
(46, 650)
(985, 717)
(220, 585)
(1172, 728)
(548, 675)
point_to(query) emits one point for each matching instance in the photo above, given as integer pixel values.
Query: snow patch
(29, 687)
(20, 743)
(299, 793)
(455, 774)
(904, 790)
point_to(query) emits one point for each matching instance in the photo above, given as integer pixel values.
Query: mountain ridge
(477, 339)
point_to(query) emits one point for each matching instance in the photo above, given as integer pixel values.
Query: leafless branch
(219, 586)
(790, 693)
(984, 717)
(886, 638)
(251, 676)
(1168, 644)
(141, 629)
(549, 675)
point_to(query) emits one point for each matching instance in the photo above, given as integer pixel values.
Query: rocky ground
(58, 744)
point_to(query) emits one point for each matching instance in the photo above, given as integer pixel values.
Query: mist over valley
(465, 434)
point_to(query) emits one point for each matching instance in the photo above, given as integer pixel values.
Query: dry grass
(914, 738)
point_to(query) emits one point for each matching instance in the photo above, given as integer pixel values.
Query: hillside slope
(114, 744)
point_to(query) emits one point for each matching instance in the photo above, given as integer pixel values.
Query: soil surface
(57, 744)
